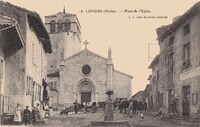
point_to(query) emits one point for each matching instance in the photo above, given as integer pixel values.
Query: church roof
(123, 73)
(86, 50)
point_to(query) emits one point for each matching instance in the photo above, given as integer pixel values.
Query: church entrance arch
(86, 91)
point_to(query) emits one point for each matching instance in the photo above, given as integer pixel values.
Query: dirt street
(83, 120)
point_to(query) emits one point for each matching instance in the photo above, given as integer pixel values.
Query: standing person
(174, 104)
(115, 104)
(34, 113)
(75, 106)
(130, 108)
(17, 114)
(85, 107)
(134, 106)
(27, 115)
(145, 105)
(94, 104)
(119, 105)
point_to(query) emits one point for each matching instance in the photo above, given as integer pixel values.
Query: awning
(10, 39)
(10, 36)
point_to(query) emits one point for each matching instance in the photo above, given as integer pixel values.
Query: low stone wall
(119, 123)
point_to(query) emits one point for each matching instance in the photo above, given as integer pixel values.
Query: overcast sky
(128, 37)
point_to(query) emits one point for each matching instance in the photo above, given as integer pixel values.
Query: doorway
(85, 97)
(85, 92)
(186, 101)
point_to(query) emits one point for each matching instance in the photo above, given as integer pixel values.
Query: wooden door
(85, 97)
(186, 100)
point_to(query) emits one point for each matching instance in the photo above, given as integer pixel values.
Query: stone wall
(15, 64)
(122, 85)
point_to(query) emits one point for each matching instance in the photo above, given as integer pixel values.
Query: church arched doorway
(85, 91)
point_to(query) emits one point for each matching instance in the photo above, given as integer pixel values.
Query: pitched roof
(139, 93)
(85, 50)
(193, 11)
(124, 73)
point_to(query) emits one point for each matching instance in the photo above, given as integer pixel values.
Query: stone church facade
(75, 74)
(86, 76)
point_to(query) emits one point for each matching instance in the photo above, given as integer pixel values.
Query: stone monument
(109, 107)
(109, 115)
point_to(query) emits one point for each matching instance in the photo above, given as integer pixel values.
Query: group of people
(28, 116)
(174, 110)
(132, 105)
(85, 106)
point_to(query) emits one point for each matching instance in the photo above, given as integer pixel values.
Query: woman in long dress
(17, 114)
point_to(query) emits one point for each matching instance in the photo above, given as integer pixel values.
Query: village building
(10, 42)
(23, 57)
(179, 62)
(148, 95)
(154, 83)
(139, 96)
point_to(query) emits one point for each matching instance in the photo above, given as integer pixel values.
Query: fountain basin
(118, 123)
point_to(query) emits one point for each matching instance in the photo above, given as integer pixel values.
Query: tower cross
(85, 43)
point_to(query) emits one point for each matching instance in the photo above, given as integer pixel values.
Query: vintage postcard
(99, 63)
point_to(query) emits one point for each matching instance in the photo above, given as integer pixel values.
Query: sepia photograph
(74, 63)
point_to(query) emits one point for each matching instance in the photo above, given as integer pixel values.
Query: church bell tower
(65, 33)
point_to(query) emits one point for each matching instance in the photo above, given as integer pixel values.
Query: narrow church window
(67, 25)
(86, 69)
(59, 26)
(52, 26)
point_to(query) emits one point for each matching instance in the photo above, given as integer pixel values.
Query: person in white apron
(17, 114)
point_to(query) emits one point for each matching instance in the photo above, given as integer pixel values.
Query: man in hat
(27, 115)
